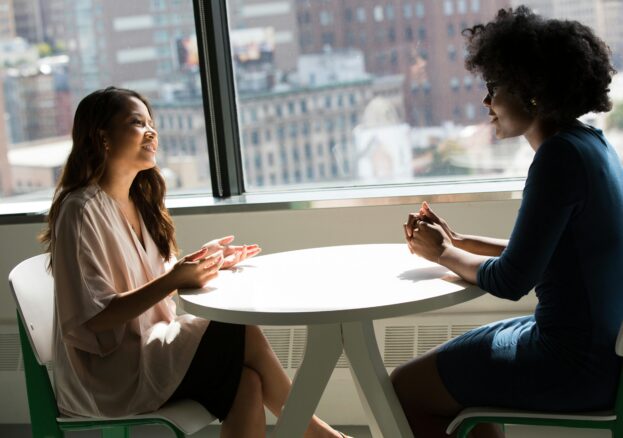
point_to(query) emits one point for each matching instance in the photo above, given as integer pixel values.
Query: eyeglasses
(492, 87)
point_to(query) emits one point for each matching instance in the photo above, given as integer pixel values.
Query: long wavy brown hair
(87, 161)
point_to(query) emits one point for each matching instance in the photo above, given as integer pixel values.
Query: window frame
(219, 98)
(225, 143)
(225, 153)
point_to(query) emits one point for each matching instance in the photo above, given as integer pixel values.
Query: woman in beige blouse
(120, 348)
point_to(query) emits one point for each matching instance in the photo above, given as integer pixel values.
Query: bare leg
(276, 384)
(246, 417)
(428, 405)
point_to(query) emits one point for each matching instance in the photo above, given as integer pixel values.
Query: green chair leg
(465, 429)
(41, 402)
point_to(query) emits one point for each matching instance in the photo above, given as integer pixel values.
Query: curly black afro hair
(561, 64)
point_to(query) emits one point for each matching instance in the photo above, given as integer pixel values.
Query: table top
(328, 285)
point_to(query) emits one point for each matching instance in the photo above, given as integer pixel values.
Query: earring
(533, 101)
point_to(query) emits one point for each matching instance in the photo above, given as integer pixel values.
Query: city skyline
(310, 78)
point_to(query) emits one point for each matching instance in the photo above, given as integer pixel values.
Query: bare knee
(404, 387)
(256, 344)
(254, 334)
(250, 385)
(419, 388)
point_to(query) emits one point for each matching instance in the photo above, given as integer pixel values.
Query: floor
(23, 431)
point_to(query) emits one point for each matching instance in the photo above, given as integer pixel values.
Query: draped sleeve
(83, 279)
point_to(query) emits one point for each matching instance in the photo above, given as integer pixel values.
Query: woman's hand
(428, 215)
(196, 269)
(426, 239)
(233, 254)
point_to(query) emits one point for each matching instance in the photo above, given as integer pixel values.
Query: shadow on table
(428, 273)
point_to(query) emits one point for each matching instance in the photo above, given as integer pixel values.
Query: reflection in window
(389, 12)
(326, 18)
(361, 15)
(321, 97)
(461, 6)
(451, 31)
(407, 10)
(378, 13)
(448, 8)
(419, 10)
(89, 46)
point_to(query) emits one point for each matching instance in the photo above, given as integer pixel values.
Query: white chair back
(33, 289)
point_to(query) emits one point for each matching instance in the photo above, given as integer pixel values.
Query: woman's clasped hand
(427, 234)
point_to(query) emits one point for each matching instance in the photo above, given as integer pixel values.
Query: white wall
(294, 229)
(279, 231)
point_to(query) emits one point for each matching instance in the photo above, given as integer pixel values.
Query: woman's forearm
(486, 246)
(128, 305)
(463, 263)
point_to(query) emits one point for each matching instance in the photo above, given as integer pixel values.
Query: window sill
(444, 192)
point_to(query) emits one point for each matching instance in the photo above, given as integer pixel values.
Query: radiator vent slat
(402, 343)
(342, 362)
(458, 330)
(299, 339)
(399, 345)
(430, 336)
(279, 340)
(10, 352)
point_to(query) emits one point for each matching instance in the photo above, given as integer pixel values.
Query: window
(378, 13)
(148, 53)
(461, 6)
(455, 84)
(419, 10)
(361, 15)
(451, 52)
(326, 18)
(348, 15)
(389, 12)
(408, 33)
(391, 35)
(451, 31)
(448, 7)
(351, 38)
(467, 82)
(407, 11)
(344, 115)
(328, 39)
(470, 111)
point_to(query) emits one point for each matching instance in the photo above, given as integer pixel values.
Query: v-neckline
(141, 246)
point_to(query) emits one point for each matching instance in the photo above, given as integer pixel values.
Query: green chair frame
(44, 412)
(609, 420)
(181, 417)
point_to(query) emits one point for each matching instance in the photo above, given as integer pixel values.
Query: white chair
(33, 289)
(610, 420)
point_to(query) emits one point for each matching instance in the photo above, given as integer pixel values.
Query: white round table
(337, 292)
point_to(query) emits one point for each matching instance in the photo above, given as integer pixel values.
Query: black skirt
(214, 373)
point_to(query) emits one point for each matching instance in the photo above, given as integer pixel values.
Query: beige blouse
(137, 366)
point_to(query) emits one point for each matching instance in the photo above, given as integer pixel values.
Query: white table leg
(375, 389)
(324, 346)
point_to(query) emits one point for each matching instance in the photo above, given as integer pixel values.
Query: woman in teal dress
(567, 242)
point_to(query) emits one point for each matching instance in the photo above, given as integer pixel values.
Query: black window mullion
(219, 97)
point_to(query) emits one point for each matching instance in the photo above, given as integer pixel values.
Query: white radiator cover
(399, 339)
